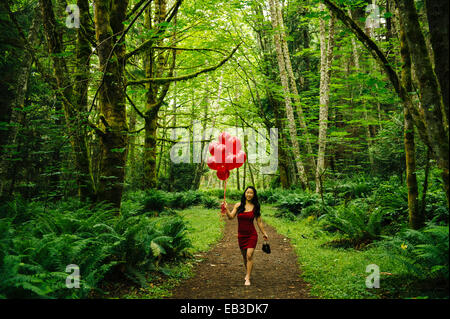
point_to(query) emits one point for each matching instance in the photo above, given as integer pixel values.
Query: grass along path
(339, 272)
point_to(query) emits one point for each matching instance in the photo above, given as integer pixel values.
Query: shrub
(155, 200)
(424, 252)
(351, 188)
(231, 194)
(304, 204)
(283, 213)
(358, 225)
(34, 255)
(210, 202)
(392, 197)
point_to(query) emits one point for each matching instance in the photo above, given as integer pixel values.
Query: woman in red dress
(247, 210)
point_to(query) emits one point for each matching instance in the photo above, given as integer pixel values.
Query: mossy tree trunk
(326, 60)
(287, 94)
(431, 99)
(109, 18)
(74, 98)
(416, 217)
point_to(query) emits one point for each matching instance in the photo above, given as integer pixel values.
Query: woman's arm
(261, 227)
(231, 214)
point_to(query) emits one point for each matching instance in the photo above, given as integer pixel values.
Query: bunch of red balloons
(225, 155)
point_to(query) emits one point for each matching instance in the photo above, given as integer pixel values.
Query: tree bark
(326, 60)
(289, 110)
(438, 20)
(109, 27)
(268, 67)
(428, 85)
(69, 96)
(293, 89)
(416, 217)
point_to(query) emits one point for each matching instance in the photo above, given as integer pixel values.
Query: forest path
(221, 273)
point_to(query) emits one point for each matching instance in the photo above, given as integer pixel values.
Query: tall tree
(15, 113)
(156, 61)
(73, 99)
(294, 91)
(287, 94)
(326, 60)
(428, 114)
(268, 65)
(416, 216)
(113, 132)
(438, 21)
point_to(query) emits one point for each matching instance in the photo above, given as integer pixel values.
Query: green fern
(210, 202)
(424, 252)
(35, 253)
(354, 221)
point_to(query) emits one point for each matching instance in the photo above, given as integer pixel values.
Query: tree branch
(184, 77)
(147, 44)
(134, 106)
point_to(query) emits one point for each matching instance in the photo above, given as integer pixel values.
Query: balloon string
(225, 189)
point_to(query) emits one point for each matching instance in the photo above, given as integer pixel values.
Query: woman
(247, 210)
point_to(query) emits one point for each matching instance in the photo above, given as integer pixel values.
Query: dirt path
(221, 273)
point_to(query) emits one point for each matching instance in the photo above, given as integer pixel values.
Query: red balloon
(233, 145)
(240, 158)
(231, 161)
(223, 174)
(211, 162)
(219, 153)
(211, 147)
(225, 155)
(223, 137)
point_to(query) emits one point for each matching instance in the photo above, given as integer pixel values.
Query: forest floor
(221, 272)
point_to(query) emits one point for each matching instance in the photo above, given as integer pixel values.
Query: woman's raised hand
(224, 207)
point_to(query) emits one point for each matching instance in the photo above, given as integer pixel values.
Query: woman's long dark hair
(254, 201)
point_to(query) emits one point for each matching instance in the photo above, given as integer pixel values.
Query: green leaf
(118, 150)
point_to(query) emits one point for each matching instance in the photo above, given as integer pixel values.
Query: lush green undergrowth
(361, 221)
(39, 240)
(341, 272)
(153, 243)
(204, 229)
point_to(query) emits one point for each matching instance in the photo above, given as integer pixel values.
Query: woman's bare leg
(249, 265)
(244, 255)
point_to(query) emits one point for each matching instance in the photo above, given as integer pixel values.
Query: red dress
(247, 235)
